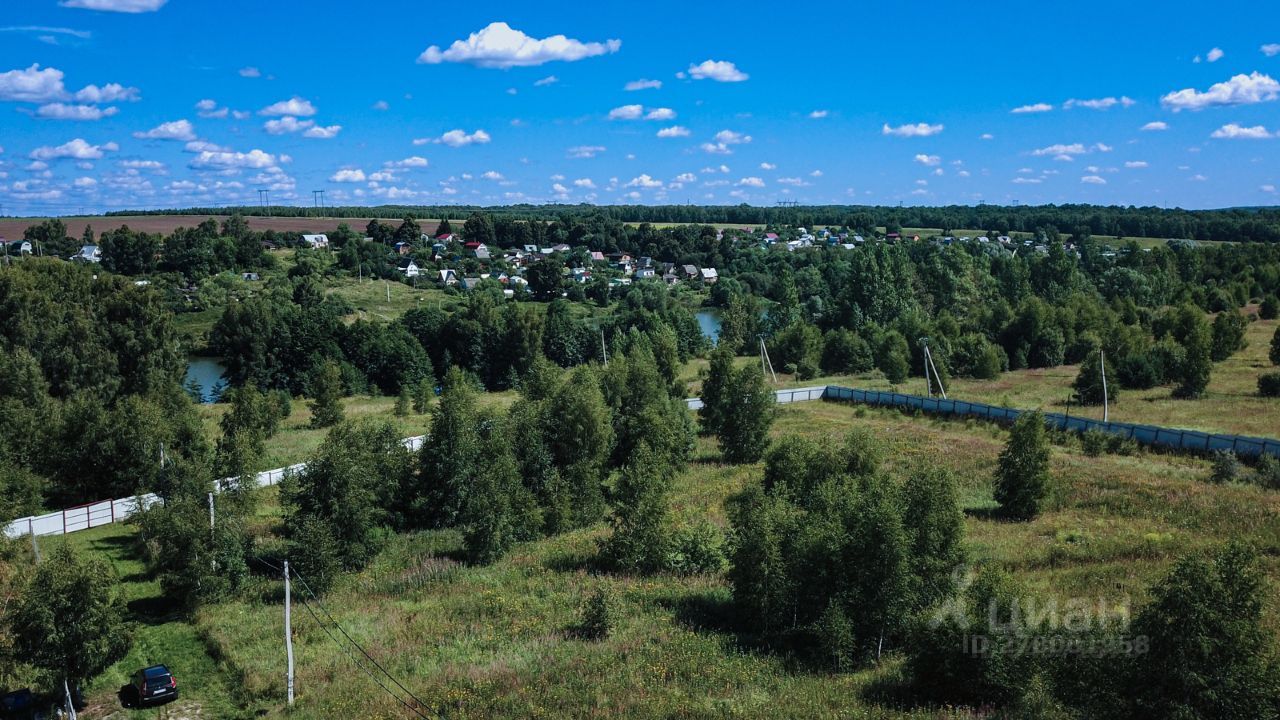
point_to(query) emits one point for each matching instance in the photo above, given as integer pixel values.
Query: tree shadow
(155, 610)
(715, 613)
(578, 562)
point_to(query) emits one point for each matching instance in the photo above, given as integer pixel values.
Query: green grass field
(496, 641)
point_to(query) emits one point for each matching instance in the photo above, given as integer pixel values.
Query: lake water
(207, 373)
(709, 323)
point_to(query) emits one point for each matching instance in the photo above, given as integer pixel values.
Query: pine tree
(326, 405)
(1228, 334)
(1088, 384)
(1022, 476)
(1274, 353)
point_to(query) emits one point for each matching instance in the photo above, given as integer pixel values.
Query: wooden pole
(288, 634)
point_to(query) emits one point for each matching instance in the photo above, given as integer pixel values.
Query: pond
(709, 323)
(205, 374)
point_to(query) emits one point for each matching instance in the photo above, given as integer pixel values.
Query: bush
(1268, 473)
(1269, 385)
(1093, 442)
(597, 616)
(1270, 308)
(1226, 468)
(1022, 478)
(697, 548)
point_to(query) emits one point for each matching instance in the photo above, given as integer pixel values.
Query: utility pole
(210, 512)
(1102, 360)
(765, 362)
(288, 634)
(388, 284)
(66, 691)
(924, 361)
(604, 350)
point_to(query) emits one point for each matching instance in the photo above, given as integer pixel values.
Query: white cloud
(768, 166)
(227, 160)
(76, 149)
(1270, 49)
(381, 105)
(963, 173)
(123, 6)
(1105, 103)
(548, 80)
(1214, 55)
(61, 111)
(917, 130)
(498, 45)
(286, 124)
(323, 132)
(457, 138)
(1155, 125)
(1197, 178)
(382, 176)
(492, 175)
(1033, 108)
(816, 173)
(209, 109)
(930, 160)
(718, 70)
(626, 112)
(586, 183)
(174, 130)
(585, 151)
(642, 84)
(818, 114)
(660, 114)
(797, 182)
(750, 182)
(152, 165)
(1232, 131)
(1027, 181)
(1065, 152)
(1093, 180)
(986, 136)
(1132, 164)
(32, 85)
(687, 177)
(729, 137)
(293, 106)
(644, 181)
(250, 72)
(85, 183)
(409, 162)
(348, 176)
(674, 131)
(1239, 90)
(199, 146)
(1267, 188)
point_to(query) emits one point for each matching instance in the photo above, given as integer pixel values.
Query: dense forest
(1230, 225)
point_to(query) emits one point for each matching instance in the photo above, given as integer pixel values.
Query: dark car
(17, 704)
(154, 685)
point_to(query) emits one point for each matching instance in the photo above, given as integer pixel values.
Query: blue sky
(110, 104)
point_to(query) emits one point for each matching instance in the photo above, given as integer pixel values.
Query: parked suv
(154, 685)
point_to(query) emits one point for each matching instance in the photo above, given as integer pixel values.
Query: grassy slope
(494, 641)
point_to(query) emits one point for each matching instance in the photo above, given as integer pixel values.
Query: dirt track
(13, 228)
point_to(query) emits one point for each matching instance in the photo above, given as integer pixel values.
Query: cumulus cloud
(457, 138)
(585, 151)
(687, 177)
(818, 114)
(1214, 55)
(250, 72)
(548, 80)
(286, 124)
(350, 175)
(642, 84)
(229, 160)
(1155, 125)
(1270, 49)
(986, 136)
(323, 132)
(723, 141)
(1027, 181)
(644, 181)
(32, 85)
(1033, 108)
(768, 166)
(751, 182)
(1062, 151)
(409, 162)
(1105, 103)
(152, 165)
(381, 105)
(498, 45)
(492, 175)
(76, 149)
(174, 130)
(674, 131)
(661, 113)
(209, 109)
(121, 6)
(718, 70)
(1239, 90)
(61, 111)
(1232, 131)
(198, 146)
(916, 130)
(586, 183)
(1132, 164)
(109, 93)
(626, 112)
(1093, 180)
(930, 160)
(295, 106)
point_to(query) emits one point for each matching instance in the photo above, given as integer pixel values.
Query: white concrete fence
(105, 512)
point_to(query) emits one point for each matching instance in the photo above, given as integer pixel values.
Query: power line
(391, 677)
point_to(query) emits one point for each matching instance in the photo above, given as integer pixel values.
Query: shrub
(697, 548)
(1226, 468)
(597, 616)
(1228, 335)
(1270, 308)
(1269, 385)
(1022, 478)
(1093, 442)
(1268, 472)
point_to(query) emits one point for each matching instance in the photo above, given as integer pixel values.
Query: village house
(690, 272)
(408, 268)
(448, 277)
(644, 273)
(403, 248)
(315, 242)
(709, 275)
(470, 283)
(88, 253)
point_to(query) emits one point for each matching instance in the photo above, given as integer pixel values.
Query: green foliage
(1209, 656)
(423, 392)
(1270, 307)
(497, 509)
(403, 402)
(977, 357)
(1226, 467)
(450, 455)
(893, 357)
(697, 548)
(640, 541)
(1193, 375)
(798, 344)
(580, 436)
(1228, 334)
(597, 616)
(1022, 476)
(1274, 353)
(845, 352)
(738, 407)
(68, 619)
(326, 405)
(935, 528)
(1089, 383)
(1269, 384)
